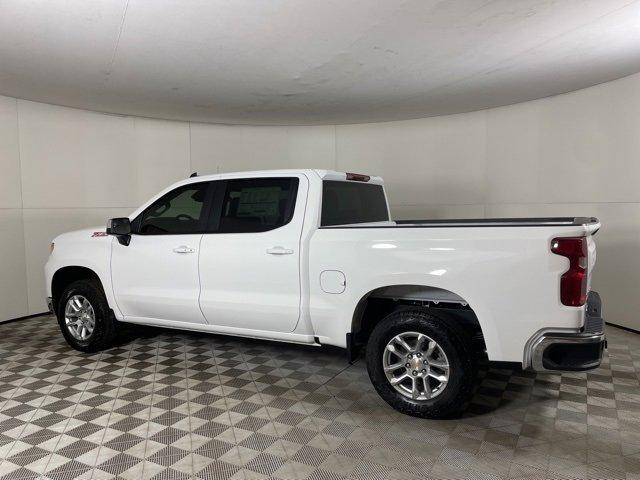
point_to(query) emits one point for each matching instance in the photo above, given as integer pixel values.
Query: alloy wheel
(416, 366)
(79, 318)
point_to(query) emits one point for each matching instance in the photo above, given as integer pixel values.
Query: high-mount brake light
(573, 283)
(358, 177)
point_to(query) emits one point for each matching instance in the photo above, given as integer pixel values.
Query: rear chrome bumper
(567, 350)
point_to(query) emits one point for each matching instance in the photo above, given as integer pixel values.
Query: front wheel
(85, 319)
(420, 365)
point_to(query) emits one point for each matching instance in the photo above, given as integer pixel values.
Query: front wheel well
(379, 303)
(67, 275)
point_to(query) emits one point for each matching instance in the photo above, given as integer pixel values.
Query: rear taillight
(573, 283)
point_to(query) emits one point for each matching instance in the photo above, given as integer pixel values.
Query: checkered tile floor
(175, 405)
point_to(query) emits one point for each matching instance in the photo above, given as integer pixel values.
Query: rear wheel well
(67, 275)
(377, 304)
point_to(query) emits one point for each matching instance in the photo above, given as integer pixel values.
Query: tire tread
(106, 325)
(450, 403)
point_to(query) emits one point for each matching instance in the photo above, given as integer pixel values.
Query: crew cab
(313, 257)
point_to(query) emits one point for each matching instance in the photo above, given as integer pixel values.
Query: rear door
(250, 262)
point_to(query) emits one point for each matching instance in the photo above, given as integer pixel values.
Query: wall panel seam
(24, 229)
(485, 186)
(190, 148)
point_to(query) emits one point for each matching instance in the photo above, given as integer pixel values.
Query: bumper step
(570, 351)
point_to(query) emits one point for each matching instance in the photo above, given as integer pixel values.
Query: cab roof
(323, 174)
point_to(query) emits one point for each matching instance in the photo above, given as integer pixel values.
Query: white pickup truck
(312, 257)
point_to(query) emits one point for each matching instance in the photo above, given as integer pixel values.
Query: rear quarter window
(344, 203)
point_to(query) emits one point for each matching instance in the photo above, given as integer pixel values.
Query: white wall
(575, 154)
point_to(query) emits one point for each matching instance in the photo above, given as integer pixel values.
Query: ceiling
(310, 61)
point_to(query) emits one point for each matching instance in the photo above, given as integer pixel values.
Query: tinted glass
(179, 211)
(352, 202)
(257, 205)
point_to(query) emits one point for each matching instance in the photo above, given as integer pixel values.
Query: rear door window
(257, 204)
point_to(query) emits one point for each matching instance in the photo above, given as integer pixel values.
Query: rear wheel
(85, 319)
(420, 365)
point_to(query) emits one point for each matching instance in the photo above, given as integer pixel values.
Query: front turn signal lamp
(51, 247)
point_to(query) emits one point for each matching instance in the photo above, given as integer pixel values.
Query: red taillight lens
(573, 283)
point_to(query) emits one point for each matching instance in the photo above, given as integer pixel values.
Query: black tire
(104, 332)
(457, 392)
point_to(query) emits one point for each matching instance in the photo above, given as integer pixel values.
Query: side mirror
(121, 228)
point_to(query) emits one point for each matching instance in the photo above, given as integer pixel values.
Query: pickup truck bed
(483, 222)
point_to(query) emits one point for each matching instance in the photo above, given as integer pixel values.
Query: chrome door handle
(279, 251)
(184, 249)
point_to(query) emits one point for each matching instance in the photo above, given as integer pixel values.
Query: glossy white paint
(153, 280)
(43, 225)
(250, 280)
(506, 274)
(81, 249)
(333, 281)
(231, 284)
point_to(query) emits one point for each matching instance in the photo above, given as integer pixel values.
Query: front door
(156, 275)
(250, 263)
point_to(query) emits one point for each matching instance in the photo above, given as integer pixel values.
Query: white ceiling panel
(310, 62)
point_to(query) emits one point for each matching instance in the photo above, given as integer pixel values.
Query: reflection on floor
(170, 404)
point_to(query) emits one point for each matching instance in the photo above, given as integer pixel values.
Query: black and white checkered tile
(174, 405)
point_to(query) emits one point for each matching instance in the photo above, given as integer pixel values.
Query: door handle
(184, 249)
(279, 251)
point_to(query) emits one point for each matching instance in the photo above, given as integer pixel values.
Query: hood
(85, 233)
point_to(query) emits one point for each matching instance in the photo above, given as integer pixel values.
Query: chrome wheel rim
(416, 366)
(79, 318)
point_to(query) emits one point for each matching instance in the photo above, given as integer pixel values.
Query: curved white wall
(575, 154)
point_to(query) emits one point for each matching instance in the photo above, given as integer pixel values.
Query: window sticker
(259, 202)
